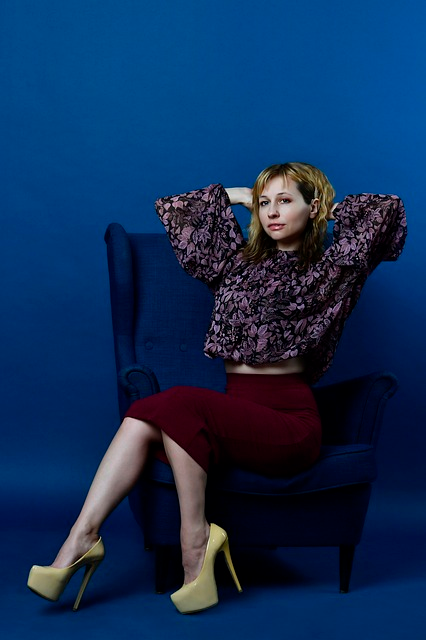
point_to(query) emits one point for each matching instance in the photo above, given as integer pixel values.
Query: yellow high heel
(49, 582)
(201, 593)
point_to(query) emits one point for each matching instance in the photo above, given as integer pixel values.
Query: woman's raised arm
(240, 195)
(202, 229)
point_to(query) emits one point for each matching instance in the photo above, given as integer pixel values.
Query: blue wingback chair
(160, 316)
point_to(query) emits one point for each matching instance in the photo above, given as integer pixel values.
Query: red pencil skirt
(264, 423)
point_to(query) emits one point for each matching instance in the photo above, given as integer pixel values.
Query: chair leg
(162, 561)
(347, 552)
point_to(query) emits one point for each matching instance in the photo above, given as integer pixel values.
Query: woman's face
(284, 214)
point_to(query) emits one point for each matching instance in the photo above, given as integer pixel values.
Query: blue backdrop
(107, 105)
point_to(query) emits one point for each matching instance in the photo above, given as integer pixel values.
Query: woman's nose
(273, 213)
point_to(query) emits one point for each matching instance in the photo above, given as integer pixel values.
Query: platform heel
(50, 582)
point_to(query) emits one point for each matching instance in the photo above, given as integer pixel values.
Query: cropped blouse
(274, 310)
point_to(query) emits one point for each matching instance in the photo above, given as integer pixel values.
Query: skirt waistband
(286, 391)
(266, 379)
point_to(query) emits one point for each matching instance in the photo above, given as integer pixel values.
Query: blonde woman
(281, 301)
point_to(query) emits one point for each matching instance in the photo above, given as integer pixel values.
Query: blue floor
(288, 593)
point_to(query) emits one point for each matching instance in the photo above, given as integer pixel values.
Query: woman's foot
(194, 544)
(74, 547)
(50, 582)
(201, 592)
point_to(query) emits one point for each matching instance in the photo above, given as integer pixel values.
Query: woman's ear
(314, 208)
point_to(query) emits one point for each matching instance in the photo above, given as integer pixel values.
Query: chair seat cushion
(337, 466)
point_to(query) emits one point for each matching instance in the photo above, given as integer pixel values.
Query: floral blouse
(274, 310)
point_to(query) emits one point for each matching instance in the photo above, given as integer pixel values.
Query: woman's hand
(330, 215)
(241, 195)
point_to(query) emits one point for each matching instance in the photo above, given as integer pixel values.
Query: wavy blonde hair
(312, 183)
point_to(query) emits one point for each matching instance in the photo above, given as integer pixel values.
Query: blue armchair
(160, 316)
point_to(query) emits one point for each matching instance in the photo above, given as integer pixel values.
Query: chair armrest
(352, 411)
(136, 382)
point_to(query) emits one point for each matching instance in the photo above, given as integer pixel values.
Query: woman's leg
(190, 480)
(117, 474)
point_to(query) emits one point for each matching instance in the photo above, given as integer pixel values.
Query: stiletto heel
(230, 565)
(201, 593)
(50, 582)
(88, 573)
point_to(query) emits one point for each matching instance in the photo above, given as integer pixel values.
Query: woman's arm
(240, 195)
(202, 229)
(369, 228)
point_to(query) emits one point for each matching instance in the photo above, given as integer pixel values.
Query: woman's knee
(141, 429)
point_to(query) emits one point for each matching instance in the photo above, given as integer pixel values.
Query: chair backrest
(147, 283)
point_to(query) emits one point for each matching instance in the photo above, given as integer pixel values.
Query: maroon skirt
(264, 423)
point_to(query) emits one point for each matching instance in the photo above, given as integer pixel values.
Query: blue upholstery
(160, 316)
(337, 466)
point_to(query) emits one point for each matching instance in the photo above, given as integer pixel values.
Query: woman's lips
(276, 227)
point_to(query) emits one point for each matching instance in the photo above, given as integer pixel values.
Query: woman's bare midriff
(292, 365)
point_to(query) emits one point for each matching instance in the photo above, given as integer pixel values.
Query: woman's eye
(284, 200)
(262, 203)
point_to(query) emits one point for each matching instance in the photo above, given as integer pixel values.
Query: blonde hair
(312, 183)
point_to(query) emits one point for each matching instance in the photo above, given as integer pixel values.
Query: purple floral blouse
(275, 310)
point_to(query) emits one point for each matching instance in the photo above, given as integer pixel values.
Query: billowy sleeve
(202, 229)
(369, 228)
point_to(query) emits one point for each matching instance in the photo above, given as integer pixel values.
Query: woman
(281, 301)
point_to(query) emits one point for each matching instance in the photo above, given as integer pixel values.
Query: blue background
(107, 105)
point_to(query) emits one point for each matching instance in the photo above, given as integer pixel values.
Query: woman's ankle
(75, 546)
(194, 544)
